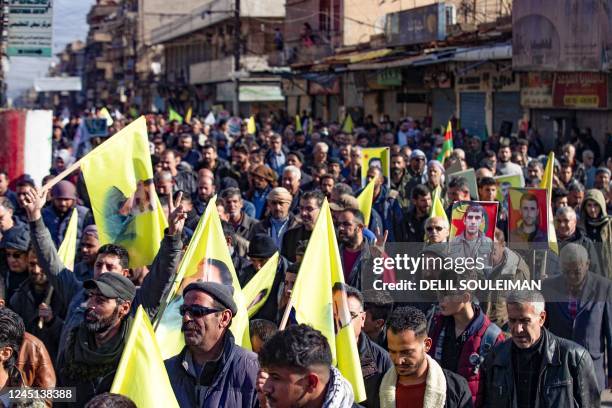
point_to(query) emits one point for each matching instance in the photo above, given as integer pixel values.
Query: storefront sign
(417, 25)
(559, 35)
(586, 90)
(389, 77)
(537, 89)
(30, 28)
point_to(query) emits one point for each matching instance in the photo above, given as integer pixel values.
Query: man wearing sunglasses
(436, 230)
(14, 269)
(211, 370)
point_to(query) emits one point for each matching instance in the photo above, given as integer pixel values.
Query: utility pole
(236, 101)
(4, 17)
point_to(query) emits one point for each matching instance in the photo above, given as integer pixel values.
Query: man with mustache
(310, 206)
(95, 346)
(417, 380)
(535, 368)
(211, 370)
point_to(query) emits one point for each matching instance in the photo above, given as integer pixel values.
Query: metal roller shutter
(506, 107)
(472, 113)
(443, 107)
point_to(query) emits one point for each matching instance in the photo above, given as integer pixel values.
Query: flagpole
(283, 322)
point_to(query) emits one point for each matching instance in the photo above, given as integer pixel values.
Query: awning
(356, 57)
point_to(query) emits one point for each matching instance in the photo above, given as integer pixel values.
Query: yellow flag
(310, 126)
(257, 291)
(67, 250)
(375, 157)
(547, 183)
(106, 115)
(365, 200)
(348, 124)
(314, 300)
(119, 179)
(251, 128)
(173, 115)
(188, 115)
(298, 124)
(141, 374)
(207, 258)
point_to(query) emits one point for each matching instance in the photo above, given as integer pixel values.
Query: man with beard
(279, 220)
(597, 224)
(505, 167)
(110, 258)
(39, 306)
(297, 371)
(408, 225)
(310, 206)
(206, 190)
(186, 150)
(211, 370)
(535, 368)
(240, 167)
(264, 179)
(527, 229)
(90, 243)
(354, 250)
(417, 380)
(212, 162)
(472, 242)
(57, 215)
(94, 347)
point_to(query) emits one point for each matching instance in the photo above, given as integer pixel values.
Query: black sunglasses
(437, 228)
(197, 311)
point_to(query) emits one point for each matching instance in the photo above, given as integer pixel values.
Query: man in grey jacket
(110, 259)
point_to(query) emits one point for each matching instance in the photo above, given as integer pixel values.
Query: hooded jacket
(599, 230)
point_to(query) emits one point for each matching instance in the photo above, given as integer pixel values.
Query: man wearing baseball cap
(57, 215)
(95, 346)
(211, 370)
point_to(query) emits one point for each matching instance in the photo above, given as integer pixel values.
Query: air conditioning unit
(451, 14)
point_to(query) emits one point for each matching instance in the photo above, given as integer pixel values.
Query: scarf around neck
(84, 361)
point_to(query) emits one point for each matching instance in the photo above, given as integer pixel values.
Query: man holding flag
(110, 259)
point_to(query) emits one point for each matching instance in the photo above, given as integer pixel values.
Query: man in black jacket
(565, 226)
(310, 206)
(375, 361)
(535, 368)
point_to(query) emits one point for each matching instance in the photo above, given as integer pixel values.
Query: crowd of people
(67, 327)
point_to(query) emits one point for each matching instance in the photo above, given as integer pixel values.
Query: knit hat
(265, 172)
(64, 189)
(297, 154)
(280, 194)
(223, 294)
(17, 238)
(261, 246)
(437, 164)
(416, 153)
(92, 230)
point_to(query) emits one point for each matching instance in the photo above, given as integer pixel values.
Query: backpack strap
(486, 344)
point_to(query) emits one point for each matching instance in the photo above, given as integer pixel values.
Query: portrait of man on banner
(528, 215)
(472, 230)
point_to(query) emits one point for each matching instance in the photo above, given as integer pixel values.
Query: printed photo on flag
(473, 231)
(528, 215)
(470, 176)
(375, 157)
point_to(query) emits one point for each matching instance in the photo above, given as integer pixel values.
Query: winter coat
(57, 224)
(600, 231)
(592, 327)
(475, 333)
(233, 384)
(567, 377)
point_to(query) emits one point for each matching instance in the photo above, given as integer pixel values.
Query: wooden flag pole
(283, 322)
(69, 170)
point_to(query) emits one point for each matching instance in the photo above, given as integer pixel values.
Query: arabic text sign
(30, 31)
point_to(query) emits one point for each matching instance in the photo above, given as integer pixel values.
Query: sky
(69, 24)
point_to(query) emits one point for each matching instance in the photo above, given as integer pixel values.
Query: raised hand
(33, 203)
(176, 220)
(379, 245)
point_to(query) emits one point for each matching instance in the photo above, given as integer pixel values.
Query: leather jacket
(35, 364)
(567, 376)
